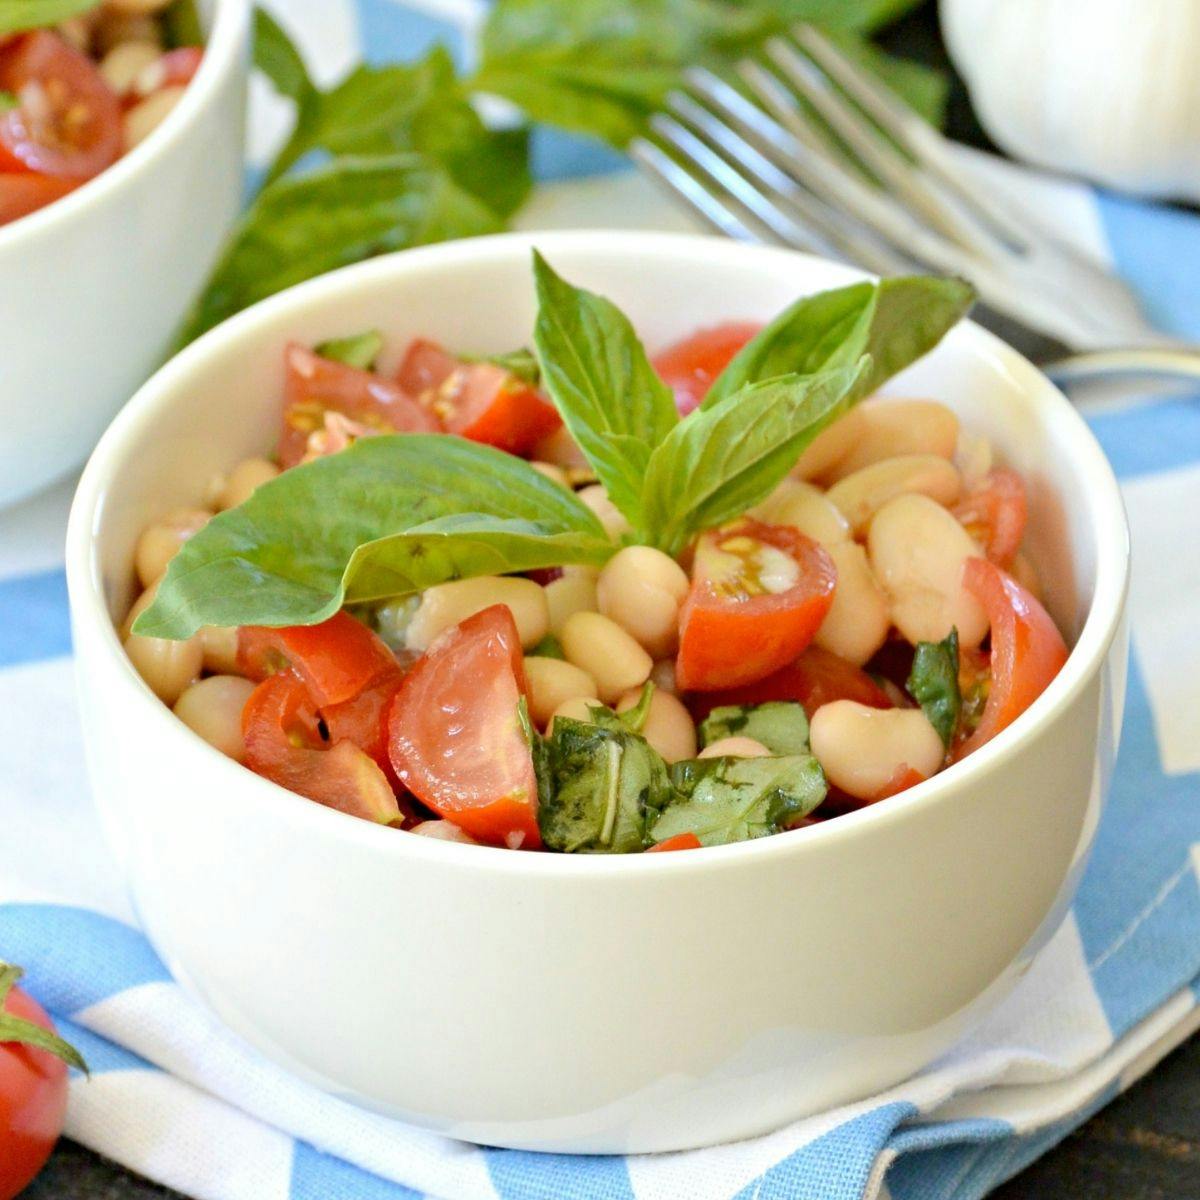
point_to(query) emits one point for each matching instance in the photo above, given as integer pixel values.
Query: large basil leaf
(601, 381)
(734, 799)
(342, 213)
(723, 460)
(780, 725)
(182, 25)
(387, 516)
(933, 684)
(895, 321)
(16, 15)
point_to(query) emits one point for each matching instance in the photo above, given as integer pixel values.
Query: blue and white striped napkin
(178, 1099)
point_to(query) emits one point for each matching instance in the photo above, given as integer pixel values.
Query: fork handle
(1180, 362)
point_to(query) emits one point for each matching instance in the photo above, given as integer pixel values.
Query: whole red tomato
(33, 1085)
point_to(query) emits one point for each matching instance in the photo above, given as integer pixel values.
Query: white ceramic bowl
(94, 286)
(593, 1003)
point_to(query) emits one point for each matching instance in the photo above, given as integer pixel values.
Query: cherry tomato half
(1027, 649)
(681, 841)
(994, 514)
(23, 193)
(67, 121)
(759, 593)
(689, 367)
(314, 386)
(455, 734)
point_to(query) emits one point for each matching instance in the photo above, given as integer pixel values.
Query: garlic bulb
(1107, 89)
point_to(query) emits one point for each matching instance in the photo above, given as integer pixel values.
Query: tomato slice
(455, 735)
(759, 594)
(363, 720)
(283, 744)
(994, 514)
(689, 367)
(23, 193)
(1027, 649)
(817, 677)
(314, 386)
(67, 121)
(336, 659)
(479, 401)
(681, 841)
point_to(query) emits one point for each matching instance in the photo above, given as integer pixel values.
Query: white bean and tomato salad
(76, 95)
(581, 600)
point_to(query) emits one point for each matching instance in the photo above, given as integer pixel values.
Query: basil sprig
(933, 684)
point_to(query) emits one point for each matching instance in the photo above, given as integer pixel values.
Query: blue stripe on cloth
(35, 623)
(318, 1176)
(835, 1166)
(75, 958)
(1160, 435)
(1138, 908)
(555, 154)
(392, 32)
(524, 1175)
(98, 1052)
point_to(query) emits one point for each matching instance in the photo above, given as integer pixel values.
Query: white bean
(606, 652)
(888, 427)
(443, 831)
(446, 604)
(611, 517)
(574, 591)
(860, 496)
(139, 606)
(144, 118)
(663, 676)
(552, 472)
(213, 709)
(735, 747)
(859, 618)
(167, 667)
(578, 708)
(807, 509)
(973, 457)
(159, 542)
(125, 62)
(669, 726)
(863, 750)
(552, 683)
(243, 479)
(829, 447)
(560, 449)
(220, 643)
(642, 589)
(917, 551)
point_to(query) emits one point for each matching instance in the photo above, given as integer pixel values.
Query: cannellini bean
(139, 606)
(973, 457)
(213, 709)
(859, 618)
(829, 447)
(243, 479)
(862, 749)
(144, 118)
(860, 496)
(443, 831)
(807, 509)
(160, 542)
(611, 517)
(574, 592)
(552, 683)
(663, 676)
(446, 604)
(561, 449)
(917, 551)
(735, 747)
(167, 667)
(578, 708)
(606, 652)
(669, 726)
(220, 643)
(642, 589)
(887, 428)
(551, 471)
(125, 62)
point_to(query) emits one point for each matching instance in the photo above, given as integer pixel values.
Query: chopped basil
(360, 350)
(548, 647)
(933, 684)
(181, 23)
(780, 725)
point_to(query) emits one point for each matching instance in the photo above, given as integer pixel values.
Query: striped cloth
(178, 1099)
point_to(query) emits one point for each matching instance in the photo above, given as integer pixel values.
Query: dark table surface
(1144, 1146)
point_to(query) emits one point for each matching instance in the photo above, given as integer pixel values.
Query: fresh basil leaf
(181, 24)
(361, 350)
(933, 684)
(17, 15)
(723, 460)
(726, 800)
(605, 783)
(600, 379)
(780, 725)
(350, 210)
(634, 718)
(387, 516)
(895, 321)
(275, 54)
(548, 647)
(520, 363)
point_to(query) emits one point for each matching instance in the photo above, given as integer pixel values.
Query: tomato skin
(994, 513)
(23, 193)
(314, 385)
(681, 841)
(1027, 649)
(363, 720)
(479, 401)
(729, 641)
(454, 735)
(688, 367)
(817, 677)
(73, 84)
(33, 1100)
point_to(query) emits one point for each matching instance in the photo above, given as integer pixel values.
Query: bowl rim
(228, 36)
(1109, 530)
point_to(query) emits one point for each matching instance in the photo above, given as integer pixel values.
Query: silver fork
(813, 153)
